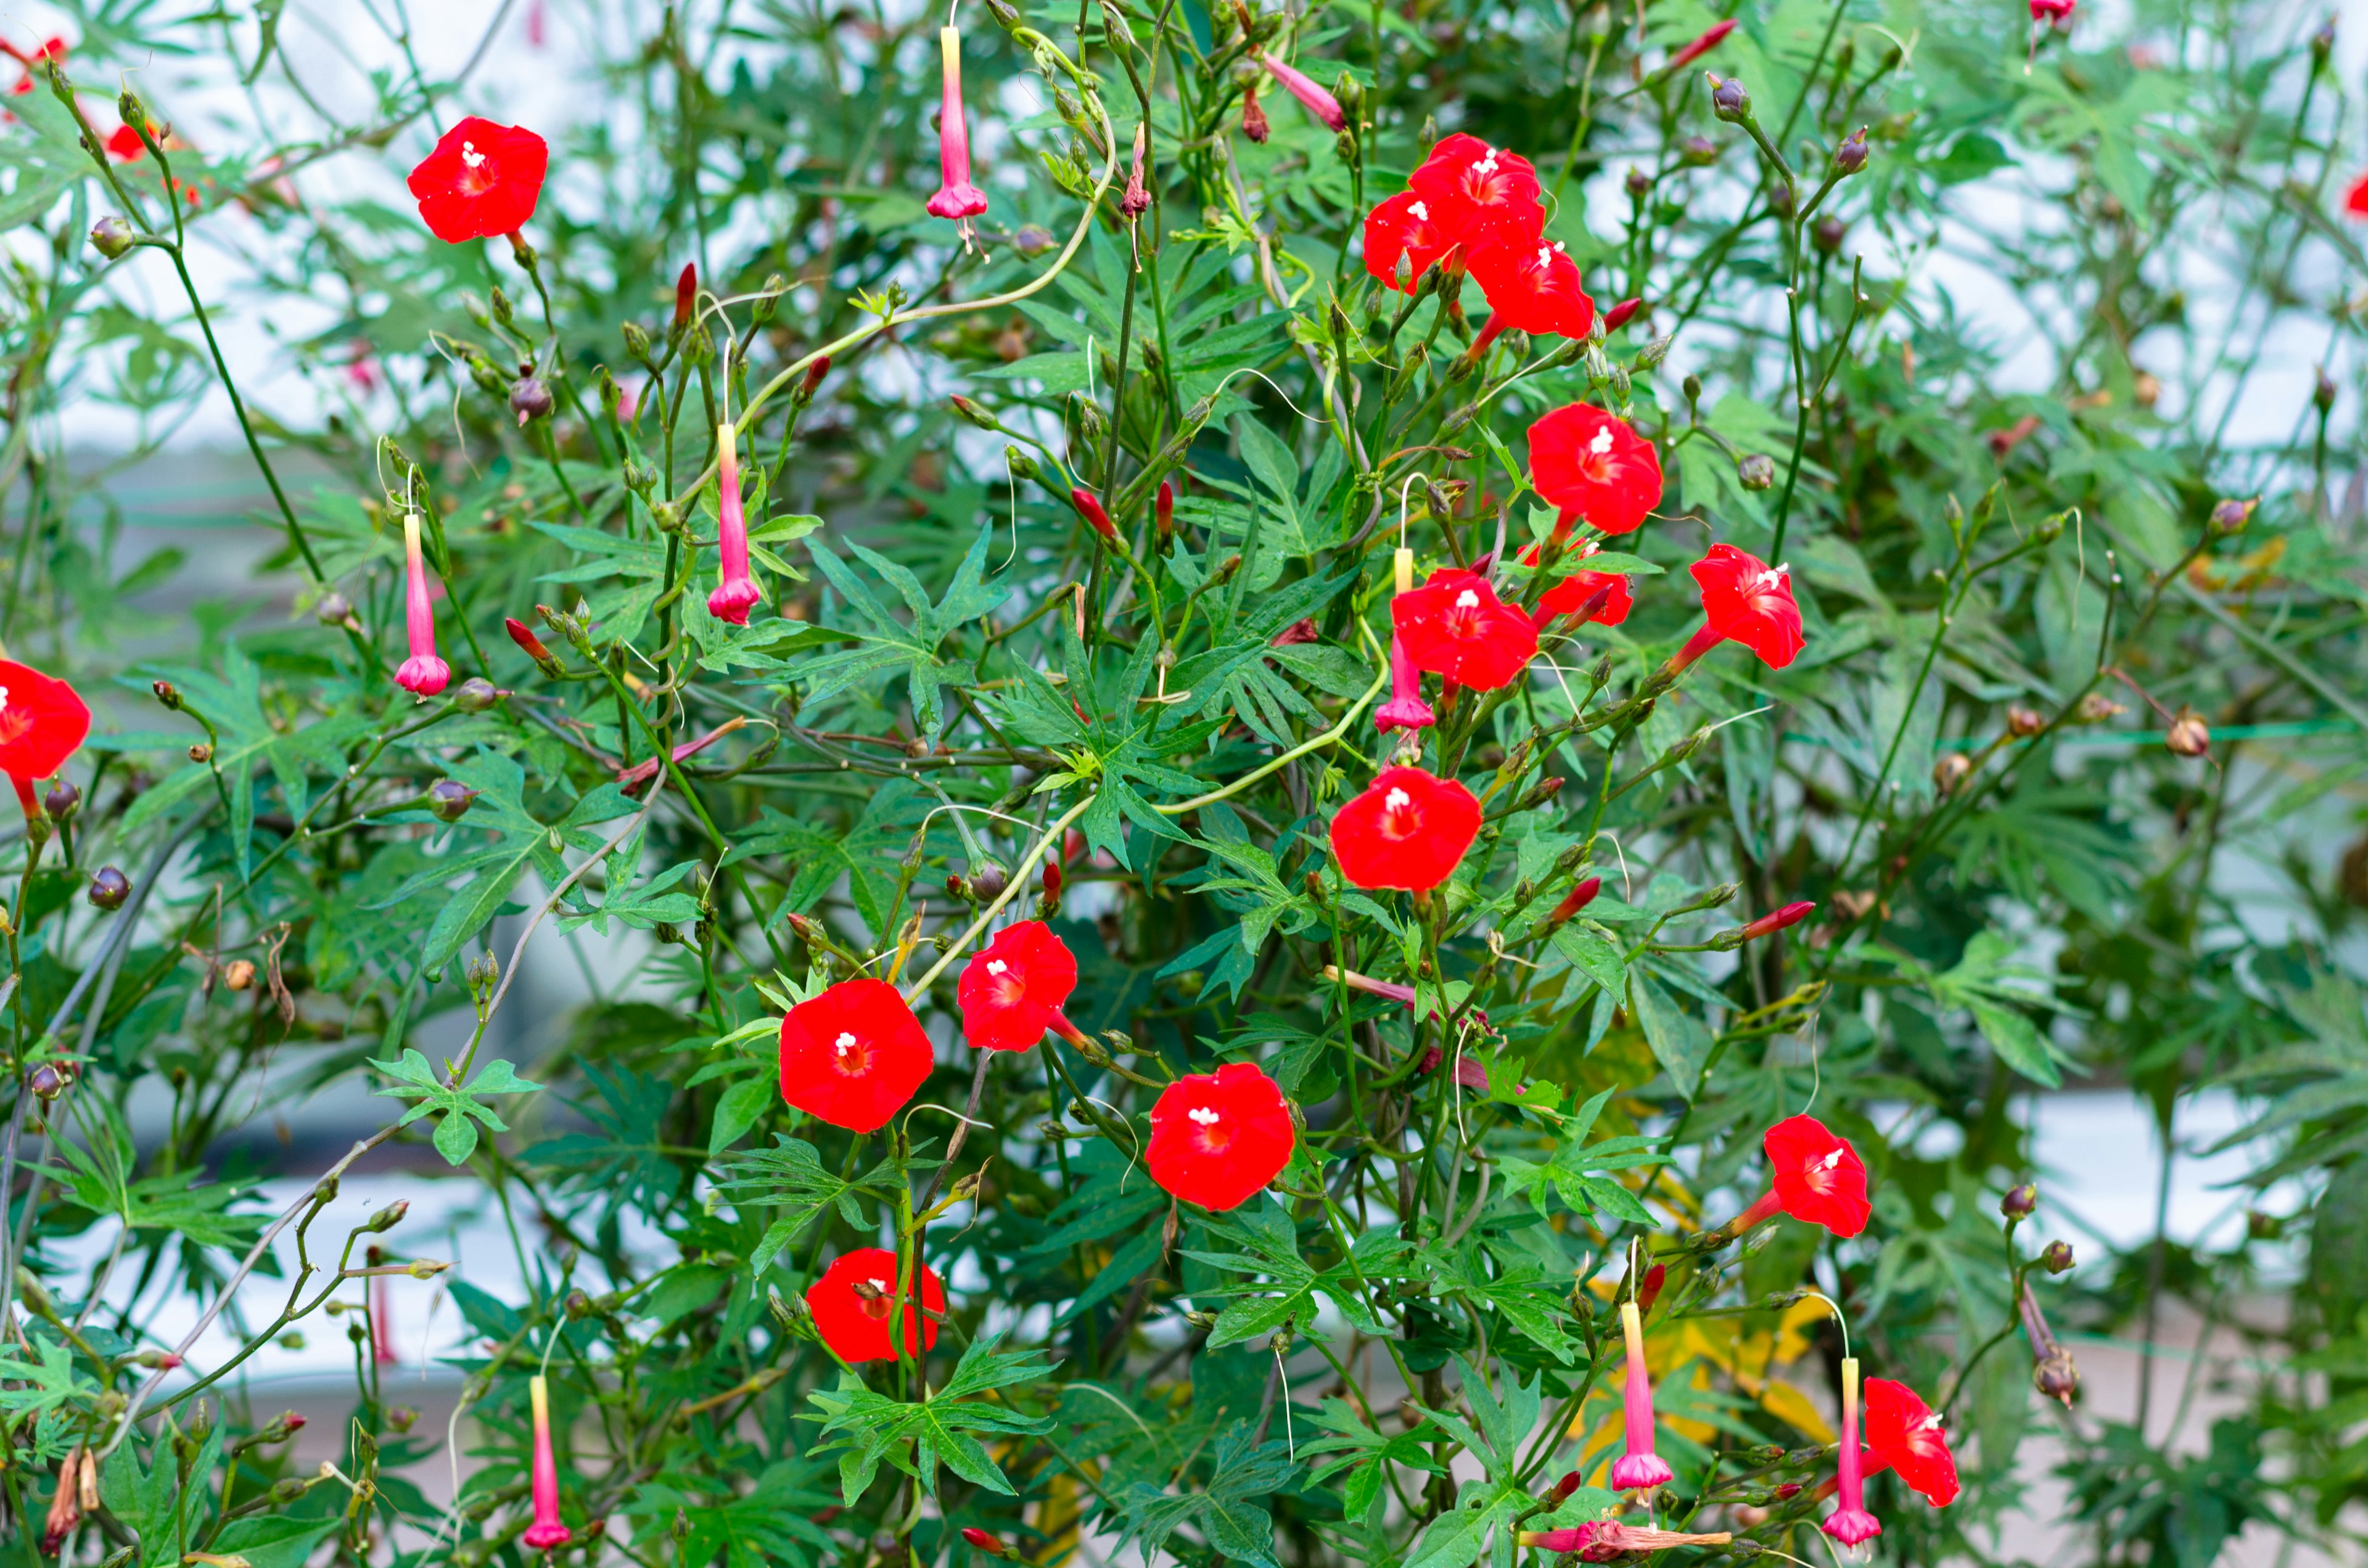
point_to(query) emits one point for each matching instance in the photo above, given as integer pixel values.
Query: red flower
(1403, 241)
(856, 1296)
(956, 197)
(423, 673)
(1594, 467)
(1701, 46)
(548, 1531)
(2050, 11)
(1482, 194)
(123, 144)
(41, 721)
(736, 592)
(853, 1055)
(1301, 85)
(1817, 1176)
(481, 179)
(1746, 600)
(2355, 203)
(1407, 831)
(1904, 1433)
(1455, 626)
(1533, 288)
(1217, 1138)
(1573, 592)
(1011, 991)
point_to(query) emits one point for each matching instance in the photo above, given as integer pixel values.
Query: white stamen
(1832, 1159)
(1930, 1423)
(3, 698)
(1467, 600)
(1486, 165)
(1421, 213)
(880, 1286)
(1602, 442)
(1397, 799)
(471, 156)
(846, 1042)
(1545, 256)
(995, 966)
(1202, 1115)
(1771, 580)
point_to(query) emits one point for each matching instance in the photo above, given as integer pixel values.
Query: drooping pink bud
(1709, 40)
(986, 1541)
(1580, 895)
(1090, 509)
(737, 593)
(1254, 124)
(1850, 1526)
(956, 197)
(1639, 1468)
(548, 1531)
(1649, 1289)
(423, 673)
(686, 294)
(1300, 86)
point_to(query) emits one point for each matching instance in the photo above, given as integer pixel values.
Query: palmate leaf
(457, 1109)
(1227, 1513)
(820, 854)
(772, 1522)
(889, 646)
(941, 1428)
(790, 1175)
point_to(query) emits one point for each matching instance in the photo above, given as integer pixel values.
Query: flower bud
(2021, 1202)
(1560, 1494)
(637, 340)
(2056, 1258)
(972, 413)
(62, 800)
(2322, 392)
(1766, 926)
(111, 237)
(1754, 471)
(334, 609)
(166, 693)
(1851, 157)
(1950, 771)
(2231, 514)
(1649, 1289)
(451, 799)
(475, 695)
(109, 887)
(530, 399)
(686, 295)
(812, 383)
(1581, 894)
(1620, 315)
(2023, 723)
(532, 646)
(1090, 509)
(2057, 1376)
(388, 1218)
(1022, 466)
(239, 974)
(2189, 736)
(1827, 233)
(1698, 152)
(1255, 124)
(2096, 707)
(1049, 904)
(1728, 100)
(50, 1080)
(2322, 42)
(988, 1543)
(1639, 184)
(1032, 240)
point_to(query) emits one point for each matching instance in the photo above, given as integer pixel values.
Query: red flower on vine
(1816, 1175)
(1577, 590)
(856, 1298)
(853, 1055)
(736, 593)
(1403, 241)
(1849, 1525)
(1455, 626)
(1217, 1138)
(1483, 195)
(422, 674)
(1904, 1433)
(1638, 1468)
(1747, 601)
(1012, 989)
(1301, 85)
(42, 720)
(481, 179)
(1592, 466)
(1533, 288)
(548, 1531)
(1408, 830)
(956, 197)
(2356, 203)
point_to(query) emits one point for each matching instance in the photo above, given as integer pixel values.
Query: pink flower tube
(1405, 709)
(956, 197)
(547, 1532)
(737, 593)
(1850, 1526)
(1640, 1468)
(423, 673)
(1300, 86)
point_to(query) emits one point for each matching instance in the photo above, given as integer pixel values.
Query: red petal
(1217, 1138)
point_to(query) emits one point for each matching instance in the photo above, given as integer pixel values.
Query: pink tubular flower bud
(956, 197)
(686, 294)
(1849, 1525)
(547, 1532)
(1768, 924)
(1090, 509)
(1405, 709)
(1300, 86)
(1622, 314)
(737, 593)
(423, 673)
(1639, 1468)
(986, 1541)
(1709, 40)
(1577, 898)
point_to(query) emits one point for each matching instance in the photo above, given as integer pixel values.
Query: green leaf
(1681, 1041)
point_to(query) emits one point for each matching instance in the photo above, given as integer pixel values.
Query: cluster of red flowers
(1474, 208)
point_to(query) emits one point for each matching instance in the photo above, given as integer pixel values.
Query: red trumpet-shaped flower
(1849, 1525)
(1484, 196)
(956, 197)
(42, 720)
(1217, 1138)
(856, 1300)
(423, 673)
(1747, 601)
(737, 593)
(481, 179)
(1408, 830)
(1011, 990)
(1300, 86)
(1403, 241)
(1904, 1433)
(1639, 1468)
(1405, 709)
(1817, 1176)
(853, 1055)
(1592, 466)
(1455, 626)
(1580, 589)
(1531, 289)
(547, 1532)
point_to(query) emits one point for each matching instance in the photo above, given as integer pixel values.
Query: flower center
(1397, 801)
(1930, 1423)
(1601, 445)
(1421, 213)
(471, 156)
(846, 1042)
(1203, 1115)
(3, 698)
(1833, 1157)
(995, 966)
(878, 1306)
(1467, 600)
(1771, 581)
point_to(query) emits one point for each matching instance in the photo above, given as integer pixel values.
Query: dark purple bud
(451, 799)
(108, 889)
